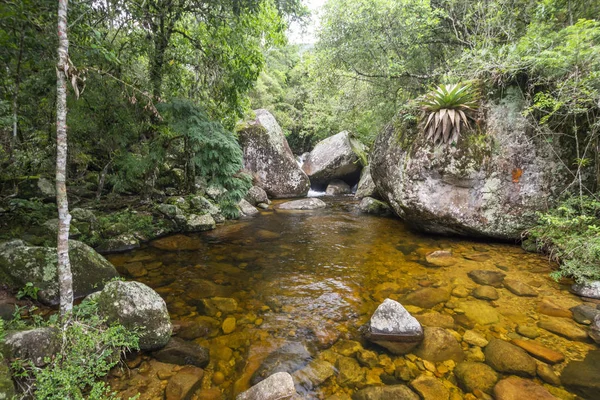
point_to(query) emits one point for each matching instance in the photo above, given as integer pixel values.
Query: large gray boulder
(487, 185)
(21, 263)
(334, 158)
(393, 327)
(136, 306)
(35, 345)
(366, 186)
(269, 158)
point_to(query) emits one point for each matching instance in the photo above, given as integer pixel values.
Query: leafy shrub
(570, 235)
(90, 348)
(29, 290)
(447, 107)
(214, 152)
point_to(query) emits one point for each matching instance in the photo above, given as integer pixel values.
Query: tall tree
(65, 276)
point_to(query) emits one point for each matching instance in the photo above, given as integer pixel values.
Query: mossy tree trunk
(65, 276)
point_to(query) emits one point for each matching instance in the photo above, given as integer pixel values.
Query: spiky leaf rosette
(447, 107)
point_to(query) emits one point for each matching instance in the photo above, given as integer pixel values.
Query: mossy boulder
(21, 263)
(267, 155)
(490, 183)
(137, 307)
(7, 387)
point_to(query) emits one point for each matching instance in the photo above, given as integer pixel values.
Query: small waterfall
(315, 193)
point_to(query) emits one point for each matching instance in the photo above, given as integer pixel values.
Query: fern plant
(447, 108)
(214, 152)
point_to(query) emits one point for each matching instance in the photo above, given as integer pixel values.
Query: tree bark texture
(65, 277)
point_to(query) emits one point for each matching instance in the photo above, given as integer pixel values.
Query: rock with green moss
(269, 158)
(490, 183)
(370, 205)
(7, 387)
(366, 186)
(137, 307)
(21, 263)
(334, 158)
(118, 244)
(35, 345)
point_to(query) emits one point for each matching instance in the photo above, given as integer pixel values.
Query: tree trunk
(65, 277)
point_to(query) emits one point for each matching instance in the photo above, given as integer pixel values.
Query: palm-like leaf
(448, 107)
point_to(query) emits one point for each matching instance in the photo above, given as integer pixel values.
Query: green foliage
(570, 234)
(214, 152)
(90, 348)
(29, 290)
(447, 107)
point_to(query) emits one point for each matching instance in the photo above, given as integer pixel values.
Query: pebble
(228, 325)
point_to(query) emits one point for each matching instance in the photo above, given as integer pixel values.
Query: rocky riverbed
(291, 291)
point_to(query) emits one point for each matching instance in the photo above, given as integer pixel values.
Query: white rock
(591, 290)
(279, 386)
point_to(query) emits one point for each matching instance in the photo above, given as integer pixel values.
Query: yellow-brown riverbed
(315, 277)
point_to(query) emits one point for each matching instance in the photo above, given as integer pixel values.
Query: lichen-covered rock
(279, 386)
(136, 306)
(120, 243)
(247, 209)
(21, 263)
(304, 204)
(269, 158)
(366, 186)
(200, 223)
(35, 345)
(591, 289)
(257, 195)
(338, 187)
(36, 187)
(334, 158)
(391, 326)
(486, 186)
(369, 205)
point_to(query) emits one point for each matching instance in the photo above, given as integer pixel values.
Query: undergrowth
(570, 235)
(89, 349)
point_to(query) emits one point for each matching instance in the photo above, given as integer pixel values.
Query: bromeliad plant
(447, 108)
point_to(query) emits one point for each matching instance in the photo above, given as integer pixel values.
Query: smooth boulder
(509, 359)
(21, 263)
(269, 158)
(590, 289)
(137, 307)
(338, 187)
(279, 386)
(515, 388)
(391, 326)
(476, 188)
(366, 186)
(334, 158)
(304, 204)
(369, 205)
(288, 358)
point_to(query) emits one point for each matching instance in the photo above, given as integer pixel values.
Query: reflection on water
(315, 277)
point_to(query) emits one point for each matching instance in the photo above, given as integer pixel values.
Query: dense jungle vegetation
(158, 87)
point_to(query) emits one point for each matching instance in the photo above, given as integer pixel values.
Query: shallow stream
(314, 278)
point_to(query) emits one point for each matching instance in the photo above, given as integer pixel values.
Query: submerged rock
(279, 386)
(334, 158)
(393, 327)
(472, 376)
(584, 314)
(369, 205)
(393, 392)
(177, 242)
(539, 351)
(269, 158)
(480, 312)
(514, 388)
(314, 374)
(288, 358)
(181, 352)
(430, 388)
(581, 377)
(21, 263)
(428, 297)
(485, 292)
(439, 345)
(184, 383)
(563, 327)
(137, 307)
(487, 277)
(491, 188)
(519, 288)
(338, 187)
(508, 358)
(304, 204)
(366, 186)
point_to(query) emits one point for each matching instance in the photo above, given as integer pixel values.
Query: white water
(314, 193)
